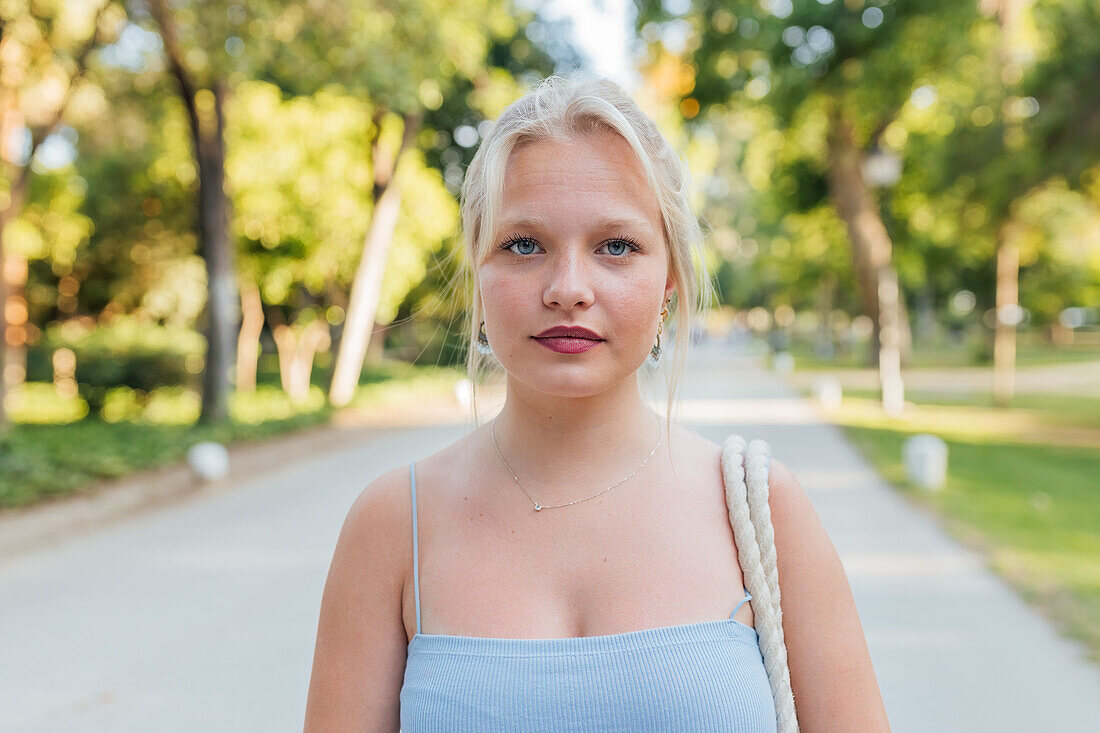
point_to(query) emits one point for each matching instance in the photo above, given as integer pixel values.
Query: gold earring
(655, 352)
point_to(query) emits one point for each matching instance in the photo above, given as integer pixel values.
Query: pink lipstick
(567, 345)
(568, 339)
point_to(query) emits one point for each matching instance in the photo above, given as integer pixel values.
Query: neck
(563, 449)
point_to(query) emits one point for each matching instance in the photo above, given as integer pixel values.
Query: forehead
(595, 175)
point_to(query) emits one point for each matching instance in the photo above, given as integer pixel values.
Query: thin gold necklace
(539, 507)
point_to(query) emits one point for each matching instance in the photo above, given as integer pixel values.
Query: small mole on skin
(480, 514)
(605, 559)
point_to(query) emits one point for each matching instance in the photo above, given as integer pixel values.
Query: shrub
(38, 403)
(125, 352)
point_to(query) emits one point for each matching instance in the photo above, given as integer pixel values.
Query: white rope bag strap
(745, 471)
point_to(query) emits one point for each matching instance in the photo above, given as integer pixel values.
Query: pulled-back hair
(565, 108)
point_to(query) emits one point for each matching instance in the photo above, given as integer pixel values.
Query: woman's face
(579, 243)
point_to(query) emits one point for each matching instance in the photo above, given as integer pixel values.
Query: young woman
(570, 565)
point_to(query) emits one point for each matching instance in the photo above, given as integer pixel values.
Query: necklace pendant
(538, 507)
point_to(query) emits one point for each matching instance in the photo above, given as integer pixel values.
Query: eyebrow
(607, 222)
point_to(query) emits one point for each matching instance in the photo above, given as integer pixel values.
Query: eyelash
(517, 238)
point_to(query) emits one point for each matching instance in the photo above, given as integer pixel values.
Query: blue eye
(517, 240)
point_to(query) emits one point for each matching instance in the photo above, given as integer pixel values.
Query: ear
(670, 288)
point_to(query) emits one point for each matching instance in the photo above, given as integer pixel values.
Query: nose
(569, 284)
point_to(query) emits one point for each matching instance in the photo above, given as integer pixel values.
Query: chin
(572, 381)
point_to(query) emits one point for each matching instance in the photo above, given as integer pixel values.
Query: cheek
(502, 296)
(632, 298)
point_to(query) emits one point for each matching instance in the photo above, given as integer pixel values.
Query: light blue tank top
(705, 676)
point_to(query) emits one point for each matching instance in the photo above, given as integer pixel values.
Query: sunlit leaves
(429, 215)
(300, 173)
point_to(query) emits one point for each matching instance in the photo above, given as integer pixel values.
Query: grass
(1050, 409)
(1032, 350)
(1033, 509)
(58, 448)
(40, 462)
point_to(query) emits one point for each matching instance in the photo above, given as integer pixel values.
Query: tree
(406, 59)
(206, 56)
(835, 74)
(302, 211)
(986, 133)
(44, 52)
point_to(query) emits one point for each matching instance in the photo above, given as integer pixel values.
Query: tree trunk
(296, 354)
(208, 138)
(826, 290)
(1008, 254)
(376, 347)
(1007, 310)
(367, 285)
(889, 353)
(217, 253)
(871, 255)
(248, 340)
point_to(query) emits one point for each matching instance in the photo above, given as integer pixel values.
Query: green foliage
(300, 175)
(404, 57)
(270, 405)
(44, 458)
(126, 352)
(985, 120)
(864, 57)
(303, 211)
(160, 406)
(427, 382)
(46, 461)
(428, 221)
(38, 403)
(141, 182)
(51, 227)
(1067, 42)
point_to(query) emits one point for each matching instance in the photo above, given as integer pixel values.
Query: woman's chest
(664, 559)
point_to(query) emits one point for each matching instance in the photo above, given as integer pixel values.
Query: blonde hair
(561, 108)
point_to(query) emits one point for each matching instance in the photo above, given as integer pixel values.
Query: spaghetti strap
(741, 602)
(416, 565)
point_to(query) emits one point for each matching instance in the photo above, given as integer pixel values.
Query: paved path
(954, 647)
(202, 616)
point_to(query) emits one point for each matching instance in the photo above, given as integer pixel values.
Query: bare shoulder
(832, 676)
(380, 509)
(788, 501)
(378, 527)
(695, 449)
(358, 664)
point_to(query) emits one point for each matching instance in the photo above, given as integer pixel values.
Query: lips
(568, 339)
(578, 332)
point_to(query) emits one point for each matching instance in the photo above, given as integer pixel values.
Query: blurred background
(221, 221)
